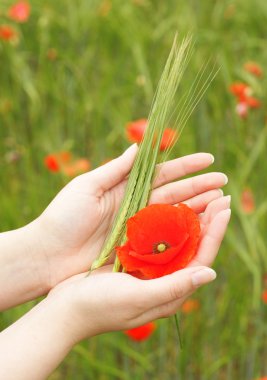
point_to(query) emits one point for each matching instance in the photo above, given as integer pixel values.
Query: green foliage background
(79, 72)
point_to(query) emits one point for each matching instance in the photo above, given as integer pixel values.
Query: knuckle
(183, 166)
(140, 306)
(168, 310)
(194, 186)
(170, 197)
(164, 311)
(162, 177)
(137, 305)
(176, 292)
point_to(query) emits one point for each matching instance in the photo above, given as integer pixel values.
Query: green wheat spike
(143, 174)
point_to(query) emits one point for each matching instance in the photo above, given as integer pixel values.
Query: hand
(118, 301)
(106, 301)
(73, 228)
(83, 307)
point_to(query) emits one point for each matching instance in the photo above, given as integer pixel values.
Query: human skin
(69, 234)
(83, 307)
(51, 254)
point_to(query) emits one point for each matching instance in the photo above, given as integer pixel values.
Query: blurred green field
(78, 72)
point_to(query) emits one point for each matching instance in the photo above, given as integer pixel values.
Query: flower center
(160, 247)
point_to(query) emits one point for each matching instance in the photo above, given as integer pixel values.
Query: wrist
(23, 272)
(60, 319)
(36, 262)
(36, 344)
(38, 251)
(80, 311)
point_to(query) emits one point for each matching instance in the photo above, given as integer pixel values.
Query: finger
(112, 173)
(200, 202)
(211, 241)
(214, 208)
(180, 191)
(166, 310)
(168, 293)
(171, 170)
(175, 286)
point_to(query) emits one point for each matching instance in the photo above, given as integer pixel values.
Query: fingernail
(212, 158)
(220, 191)
(225, 179)
(203, 276)
(131, 148)
(228, 197)
(227, 212)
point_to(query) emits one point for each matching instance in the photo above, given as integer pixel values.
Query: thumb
(169, 292)
(112, 173)
(177, 285)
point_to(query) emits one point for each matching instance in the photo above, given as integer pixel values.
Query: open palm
(75, 224)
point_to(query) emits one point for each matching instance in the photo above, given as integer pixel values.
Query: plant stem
(178, 331)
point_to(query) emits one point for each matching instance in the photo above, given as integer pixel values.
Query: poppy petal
(161, 258)
(145, 228)
(158, 224)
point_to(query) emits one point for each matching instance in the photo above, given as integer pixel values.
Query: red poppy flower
(242, 109)
(161, 239)
(190, 305)
(20, 11)
(64, 163)
(168, 139)
(51, 163)
(253, 68)
(64, 157)
(135, 132)
(247, 201)
(55, 161)
(264, 296)
(253, 102)
(141, 333)
(7, 33)
(240, 90)
(79, 166)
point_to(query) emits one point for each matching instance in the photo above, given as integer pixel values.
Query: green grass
(105, 74)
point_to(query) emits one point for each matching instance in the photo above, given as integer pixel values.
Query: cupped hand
(118, 301)
(72, 230)
(108, 301)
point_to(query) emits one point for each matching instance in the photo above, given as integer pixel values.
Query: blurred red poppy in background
(245, 101)
(135, 131)
(55, 161)
(7, 33)
(247, 201)
(253, 68)
(63, 162)
(141, 333)
(253, 102)
(168, 139)
(51, 163)
(242, 109)
(190, 306)
(264, 296)
(20, 11)
(240, 90)
(76, 167)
